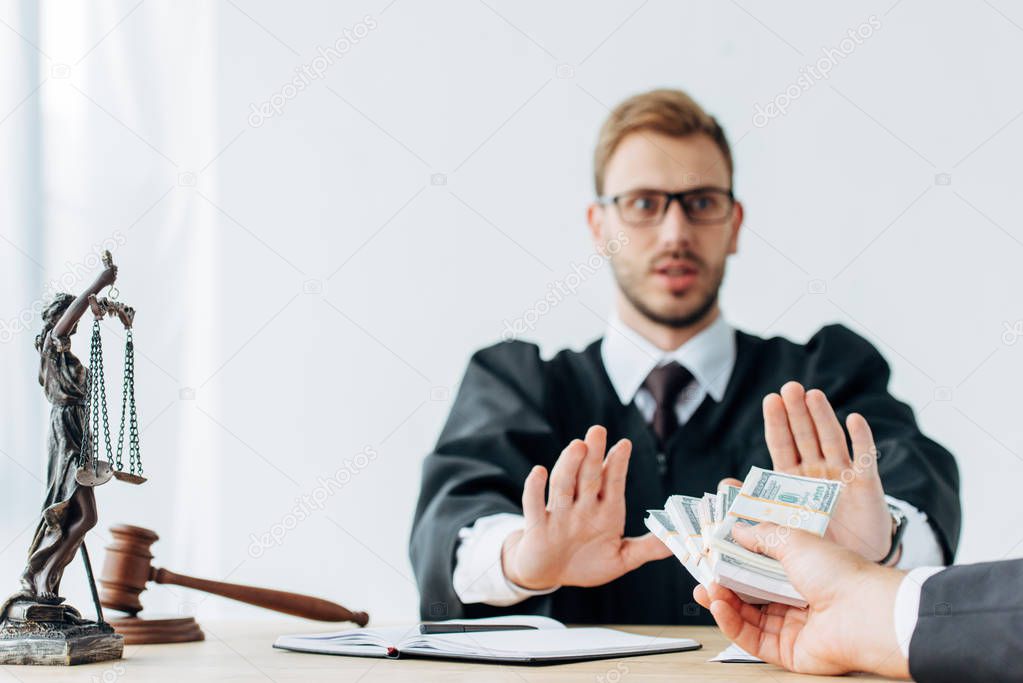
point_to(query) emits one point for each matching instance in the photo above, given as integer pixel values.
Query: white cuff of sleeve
(907, 604)
(920, 546)
(478, 575)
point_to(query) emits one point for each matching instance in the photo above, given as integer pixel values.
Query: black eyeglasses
(701, 205)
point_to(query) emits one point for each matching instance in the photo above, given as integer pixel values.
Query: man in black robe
(681, 395)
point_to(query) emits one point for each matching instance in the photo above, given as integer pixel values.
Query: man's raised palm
(575, 536)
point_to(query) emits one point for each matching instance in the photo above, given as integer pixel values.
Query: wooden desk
(239, 651)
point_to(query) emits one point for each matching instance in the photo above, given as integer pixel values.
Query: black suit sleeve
(913, 468)
(970, 625)
(496, 432)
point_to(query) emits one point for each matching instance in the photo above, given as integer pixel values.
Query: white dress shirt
(907, 604)
(628, 358)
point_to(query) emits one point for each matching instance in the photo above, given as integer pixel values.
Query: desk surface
(241, 651)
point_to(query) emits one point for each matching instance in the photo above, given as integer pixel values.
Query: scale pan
(90, 476)
(128, 477)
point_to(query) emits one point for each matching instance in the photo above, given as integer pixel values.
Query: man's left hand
(805, 437)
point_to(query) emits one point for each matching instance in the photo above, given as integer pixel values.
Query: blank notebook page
(553, 642)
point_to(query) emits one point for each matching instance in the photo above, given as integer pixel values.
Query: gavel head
(127, 568)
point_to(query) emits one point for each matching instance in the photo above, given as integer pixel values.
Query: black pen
(435, 629)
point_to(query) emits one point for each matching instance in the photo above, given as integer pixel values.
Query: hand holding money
(848, 625)
(698, 531)
(812, 465)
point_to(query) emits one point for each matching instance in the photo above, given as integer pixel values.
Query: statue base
(47, 634)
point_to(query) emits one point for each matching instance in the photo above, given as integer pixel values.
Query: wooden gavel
(128, 567)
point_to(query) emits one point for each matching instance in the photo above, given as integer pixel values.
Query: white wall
(313, 290)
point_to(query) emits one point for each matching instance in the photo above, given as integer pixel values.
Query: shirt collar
(629, 357)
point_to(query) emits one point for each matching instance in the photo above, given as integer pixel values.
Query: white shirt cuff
(920, 546)
(907, 604)
(478, 575)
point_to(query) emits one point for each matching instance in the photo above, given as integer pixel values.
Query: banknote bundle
(698, 531)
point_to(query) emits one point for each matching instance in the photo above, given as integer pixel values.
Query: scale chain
(97, 417)
(128, 408)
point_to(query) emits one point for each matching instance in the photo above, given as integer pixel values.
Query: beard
(630, 287)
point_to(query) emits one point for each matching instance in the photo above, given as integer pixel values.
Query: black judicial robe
(515, 410)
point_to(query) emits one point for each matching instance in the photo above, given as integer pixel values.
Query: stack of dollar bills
(699, 530)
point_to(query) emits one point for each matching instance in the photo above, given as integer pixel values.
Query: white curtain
(107, 153)
(21, 278)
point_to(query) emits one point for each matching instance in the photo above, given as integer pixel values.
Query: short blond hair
(670, 112)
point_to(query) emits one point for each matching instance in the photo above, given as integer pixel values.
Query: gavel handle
(279, 601)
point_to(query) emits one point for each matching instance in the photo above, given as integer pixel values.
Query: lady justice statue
(36, 627)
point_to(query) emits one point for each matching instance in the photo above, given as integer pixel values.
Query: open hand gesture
(575, 536)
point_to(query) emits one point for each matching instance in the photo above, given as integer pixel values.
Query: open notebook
(548, 642)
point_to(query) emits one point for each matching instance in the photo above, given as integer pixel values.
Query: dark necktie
(665, 384)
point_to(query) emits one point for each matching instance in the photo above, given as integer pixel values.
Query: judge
(676, 393)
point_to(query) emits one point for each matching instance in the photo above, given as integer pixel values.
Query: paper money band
(779, 502)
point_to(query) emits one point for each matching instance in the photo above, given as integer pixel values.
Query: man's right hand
(575, 537)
